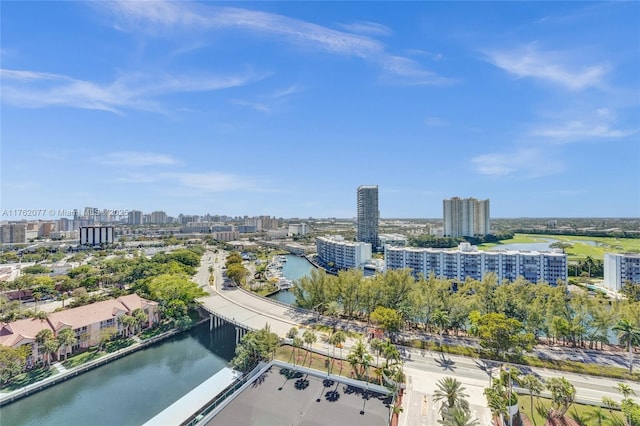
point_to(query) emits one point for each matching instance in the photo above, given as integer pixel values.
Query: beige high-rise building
(466, 217)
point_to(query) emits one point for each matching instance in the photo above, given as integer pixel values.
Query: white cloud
(551, 66)
(253, 105)
(367, 28)
(578, 130)
(598, 124)
(136, 159)
(524, 163)
(151, 16)
(30, 89)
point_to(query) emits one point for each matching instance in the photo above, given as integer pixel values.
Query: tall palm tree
(297, 344)
(458, 417)
(625, 390)
(309, 337)
(628, 335)
(66, 339)
(451, 392)
(533, 384)
(43, 337)
(377, 345)
(497, 403)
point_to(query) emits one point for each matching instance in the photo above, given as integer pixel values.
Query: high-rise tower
(368, 215)
(465, 217)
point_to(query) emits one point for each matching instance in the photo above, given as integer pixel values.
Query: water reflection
(133, 389)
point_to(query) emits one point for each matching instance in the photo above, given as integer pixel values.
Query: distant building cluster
(466, 217)
(620, 268)
(467, 261)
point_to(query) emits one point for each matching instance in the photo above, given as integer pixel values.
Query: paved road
(423, 368)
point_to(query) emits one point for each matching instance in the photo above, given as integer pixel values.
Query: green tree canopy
(500, 334)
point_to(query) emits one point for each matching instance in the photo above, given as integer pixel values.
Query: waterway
(132, 389)
(294, 268)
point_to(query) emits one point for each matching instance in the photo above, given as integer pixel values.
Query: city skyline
(282, 109)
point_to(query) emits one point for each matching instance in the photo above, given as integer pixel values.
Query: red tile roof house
(86, 321)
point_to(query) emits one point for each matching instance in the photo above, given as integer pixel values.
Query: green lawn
(81, 358)
(576, 411)
(581, 244)
(29, 377)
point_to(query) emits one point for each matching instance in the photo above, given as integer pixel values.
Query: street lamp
(508, 370)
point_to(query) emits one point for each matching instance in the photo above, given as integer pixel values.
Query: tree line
(531, 312)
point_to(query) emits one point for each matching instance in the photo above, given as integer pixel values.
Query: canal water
(132, 389)
(294, 268)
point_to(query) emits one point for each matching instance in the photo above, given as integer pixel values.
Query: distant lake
(525, 246)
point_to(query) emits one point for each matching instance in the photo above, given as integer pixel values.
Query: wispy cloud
(367, 28)
(214, 181)
(578, 130)
(525, 163)
(157, 17)
(136, 159)
(550, 66)
(253, 105)
(31, 89)
(597, 125)
(435, 122)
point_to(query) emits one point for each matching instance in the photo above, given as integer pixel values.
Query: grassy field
(578, 412)
(582, 246)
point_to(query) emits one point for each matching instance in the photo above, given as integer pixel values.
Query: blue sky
(283, 109)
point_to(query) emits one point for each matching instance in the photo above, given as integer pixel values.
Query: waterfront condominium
(342, 254)
(465, 217)
(467, 261)
(620, 268)
(368, 215)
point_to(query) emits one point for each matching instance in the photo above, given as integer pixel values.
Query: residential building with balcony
(467, 261)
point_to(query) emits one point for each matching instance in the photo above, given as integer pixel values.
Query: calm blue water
(133, 389)
(294, 268)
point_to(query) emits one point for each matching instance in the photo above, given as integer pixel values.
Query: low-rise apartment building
(87, 322)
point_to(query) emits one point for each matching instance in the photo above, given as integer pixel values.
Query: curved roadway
(422, 368)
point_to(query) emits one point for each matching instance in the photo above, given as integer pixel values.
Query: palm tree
(43, 337)
(596, 415)
(456, 416)
(141, 318)
(628, 335)
(390, 353)
(66, 339)
(625, 390)
(309, 337)
(337, 339)
(377, 345)
(497, 403)
(451, 393)
(297, 344)
(51, 347)
(441, 319)
(533, 384)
